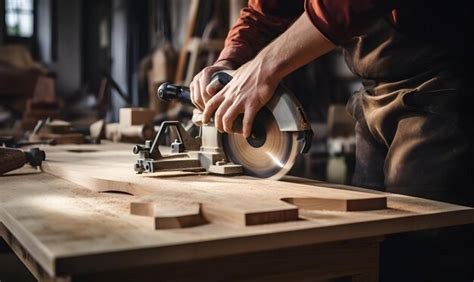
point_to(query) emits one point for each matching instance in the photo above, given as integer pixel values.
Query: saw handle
(168, 92)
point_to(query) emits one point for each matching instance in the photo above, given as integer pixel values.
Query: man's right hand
(200, 92)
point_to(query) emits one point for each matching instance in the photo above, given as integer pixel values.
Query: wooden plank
(226, 202)
(71, 230)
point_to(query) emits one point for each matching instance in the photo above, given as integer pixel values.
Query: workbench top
(74, 226)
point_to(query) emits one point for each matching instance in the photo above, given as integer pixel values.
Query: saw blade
(267, 153)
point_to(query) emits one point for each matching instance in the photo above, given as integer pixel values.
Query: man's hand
(200, 93)
(249, 90)
(254, 83)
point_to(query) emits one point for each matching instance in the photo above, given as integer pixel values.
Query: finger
(198, 96)
(193, 93)
(213, 87)
(249, 117)
(220, 112)
(204, 81)
(211, 107)
(229, 117)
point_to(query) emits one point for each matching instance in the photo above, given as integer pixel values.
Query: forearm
(297, 46)
(255, 82)
(259, 23)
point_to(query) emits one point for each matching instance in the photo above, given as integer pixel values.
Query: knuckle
(226, 119)
(218, 115)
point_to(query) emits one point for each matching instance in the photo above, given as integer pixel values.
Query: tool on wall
(11, 159)
(281, 130)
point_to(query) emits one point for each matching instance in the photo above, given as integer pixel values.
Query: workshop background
(94, 57)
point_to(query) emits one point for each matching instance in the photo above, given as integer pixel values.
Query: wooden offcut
(136, 116)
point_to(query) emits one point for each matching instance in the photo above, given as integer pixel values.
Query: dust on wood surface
(73, 226)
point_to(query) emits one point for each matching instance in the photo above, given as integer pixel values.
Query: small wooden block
(167, 215)
(334, 204)
(246, 215)
(136, 116)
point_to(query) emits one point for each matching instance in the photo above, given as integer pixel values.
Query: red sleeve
(259, 23)
(341, 20)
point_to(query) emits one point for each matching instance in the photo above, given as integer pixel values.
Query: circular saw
(280, 132)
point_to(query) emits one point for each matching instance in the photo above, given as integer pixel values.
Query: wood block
(136, 116)
(247, 214)
(340, 204)
(131, 134)
(167, 214)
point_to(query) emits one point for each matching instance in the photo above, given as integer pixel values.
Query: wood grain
(69, 230)
(234, 200)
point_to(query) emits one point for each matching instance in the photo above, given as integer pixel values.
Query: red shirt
(341, 20)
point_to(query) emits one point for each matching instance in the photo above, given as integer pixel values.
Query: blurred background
(82, 60)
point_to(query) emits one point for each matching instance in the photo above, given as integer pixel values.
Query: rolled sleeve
(258, 24)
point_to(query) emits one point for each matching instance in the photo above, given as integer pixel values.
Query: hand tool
(11, 159)
(280, 130)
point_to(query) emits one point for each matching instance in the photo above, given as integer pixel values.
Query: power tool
(280, 131)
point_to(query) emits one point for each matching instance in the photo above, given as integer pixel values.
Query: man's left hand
(249, 90)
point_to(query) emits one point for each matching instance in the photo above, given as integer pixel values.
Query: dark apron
(408, 111)
(410, 139)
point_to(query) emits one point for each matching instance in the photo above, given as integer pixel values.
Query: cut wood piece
(68, 138)
(131, 134)
(169, 214)
(339, 204)
(136, 116)
(246, 215)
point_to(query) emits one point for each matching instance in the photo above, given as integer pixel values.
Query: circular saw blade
(268, 153)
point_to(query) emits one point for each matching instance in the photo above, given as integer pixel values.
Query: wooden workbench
(63, 225)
